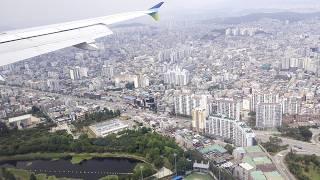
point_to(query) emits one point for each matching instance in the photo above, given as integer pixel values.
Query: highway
(300, 147)
(306, 147)
(279, 161)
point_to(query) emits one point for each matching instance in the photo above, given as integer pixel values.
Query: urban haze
(214, 90)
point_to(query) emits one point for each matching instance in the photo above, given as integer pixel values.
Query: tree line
(98, 116)
(157, 149)
(301, 165)
(301, 133)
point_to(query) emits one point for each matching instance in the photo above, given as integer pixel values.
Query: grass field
(23, 174)
(313, 172)
(304, 167)
(75, 158)
(198, 176)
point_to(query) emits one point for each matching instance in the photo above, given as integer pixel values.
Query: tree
(252, 119)
(3, 129)
(33, 177)
(130, 86)
(305, 133)
(142, 169)
(158, 162)
(275, 140)
(7, 175)
(274, 145)
(183, 165)
(35, 110)
(229, 148)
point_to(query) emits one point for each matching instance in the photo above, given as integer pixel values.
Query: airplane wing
(26, 43)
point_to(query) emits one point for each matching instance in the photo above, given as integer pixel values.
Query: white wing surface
(26, 43)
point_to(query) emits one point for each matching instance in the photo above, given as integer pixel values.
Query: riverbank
(24, 174)
(52, 165)
(75, 158)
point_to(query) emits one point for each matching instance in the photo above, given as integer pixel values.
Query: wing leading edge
(26, 43)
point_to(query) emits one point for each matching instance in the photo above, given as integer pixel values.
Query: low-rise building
(25, 121)
(254, 164)
(108, 127)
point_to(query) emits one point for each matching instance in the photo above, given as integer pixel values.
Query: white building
(230, 129)
(258, 97)
(291, 105)
(199, 116)
(185, 102)
(243, 170)
(24, 121)
(53, 85)
(269, 115)
(108, 127)
(229, 108)
(177, 77)
(108, 71)
(143, 81)
(78, 73)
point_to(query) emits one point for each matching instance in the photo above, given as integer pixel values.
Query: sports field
(198, 176)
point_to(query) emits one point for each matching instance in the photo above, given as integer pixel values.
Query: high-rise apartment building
(230, 129)
(257, 98)
(177, 77)
(199, 116)
(185, 102)
(78, 73)
(229, 108)
(269, 115)
(108, 71)
(291, 105)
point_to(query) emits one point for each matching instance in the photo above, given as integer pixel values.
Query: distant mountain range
(128, 25)
(282, 16)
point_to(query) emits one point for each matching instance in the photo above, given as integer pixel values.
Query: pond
(88, 169)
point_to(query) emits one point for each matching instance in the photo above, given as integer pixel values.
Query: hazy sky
(24, 13)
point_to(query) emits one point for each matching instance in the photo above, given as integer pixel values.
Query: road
(306, 147)
(315, 136)
(300, 147)
(279, 161)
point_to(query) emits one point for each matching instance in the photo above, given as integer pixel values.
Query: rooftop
(258, 175)
(274, 175)
(249, 161)
(253, 149)
(213, 148)
(246, 166)
(262, 160)
(20, 118)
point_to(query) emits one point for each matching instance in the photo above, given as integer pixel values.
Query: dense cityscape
(233, 98)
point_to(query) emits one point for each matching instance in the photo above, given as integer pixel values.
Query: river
(88, 169)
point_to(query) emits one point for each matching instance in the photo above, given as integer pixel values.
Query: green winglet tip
(155, 16)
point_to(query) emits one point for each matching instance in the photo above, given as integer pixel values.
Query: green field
(198, 176)
(23, 174)
(304, 167)
(313, 172)
(76, 158)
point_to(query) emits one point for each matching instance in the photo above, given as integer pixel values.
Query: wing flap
(26, 48)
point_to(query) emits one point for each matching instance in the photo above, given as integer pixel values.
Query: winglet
(154, 14)
(157, 6)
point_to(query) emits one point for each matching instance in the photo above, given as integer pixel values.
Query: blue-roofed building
(177, 178)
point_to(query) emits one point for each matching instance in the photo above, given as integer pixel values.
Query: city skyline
(184, 90)
(37, 12)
